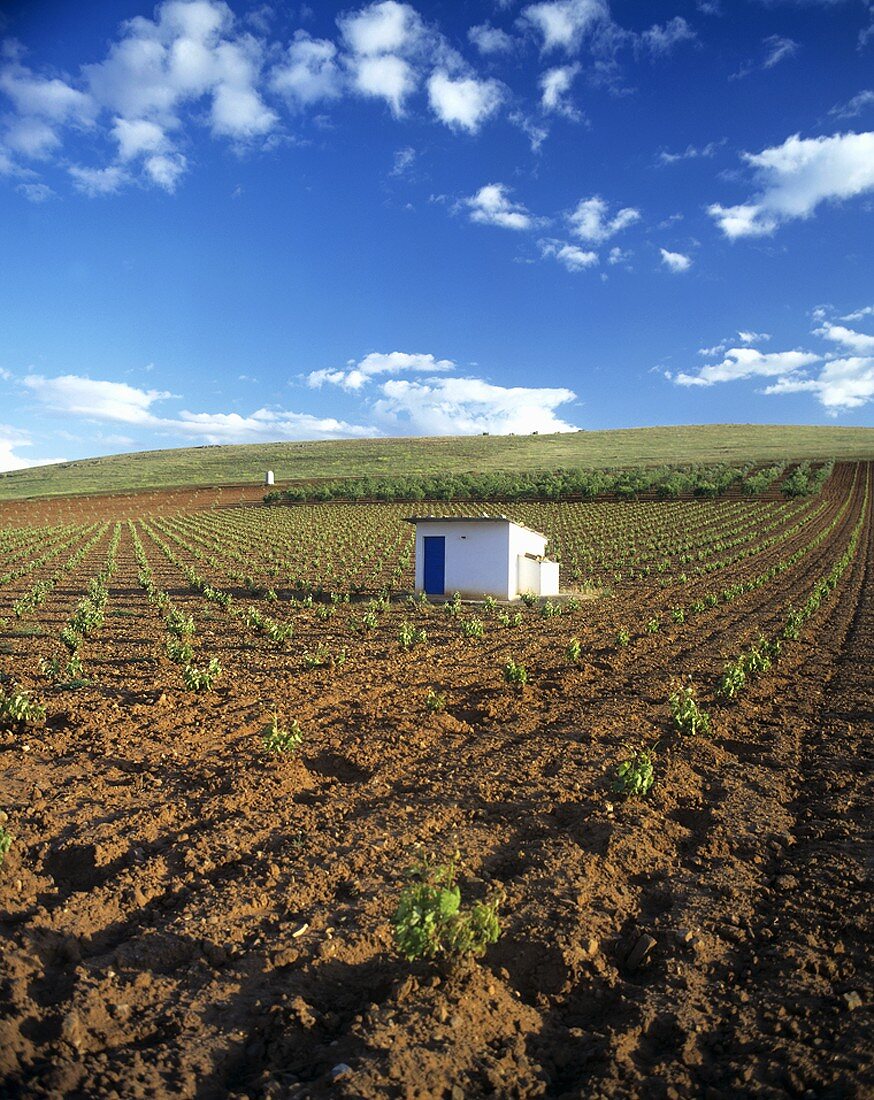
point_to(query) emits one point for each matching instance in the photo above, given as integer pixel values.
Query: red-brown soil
(184, 916)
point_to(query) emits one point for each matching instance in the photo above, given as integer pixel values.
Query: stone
(852, 1000)
(641, 950)
(341, 1072)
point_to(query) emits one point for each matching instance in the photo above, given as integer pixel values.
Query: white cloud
(403, 160)
(10, 440)
(381, 28)
(376, 363)
(310, 73)
(535, 131)
(796, 177)
(138, 136)
(747, 363)
(749, 337)
(660, 40)
(263, 424)
(618, 256)
(589, 220)
(469, 406)
(778, 49)
(691, 152)
(36, 192)
(554, 87)
(166, 171)
(568, 255)
(95, 398)
(855, 106)
(564, 23)
(865, 311)
(117, 402)
(238, 111)
(463, 103)
(491, 205)
(841, 384)
(385, 77)
(98, 181)
(32, 137)
(489, 39)
(675, 261)
(37, 97)
(858, 342)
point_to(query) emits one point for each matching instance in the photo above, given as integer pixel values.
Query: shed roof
(472, 519)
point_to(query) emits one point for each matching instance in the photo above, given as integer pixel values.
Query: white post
(268, 478)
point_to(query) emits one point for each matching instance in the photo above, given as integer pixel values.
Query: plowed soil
(184, 915)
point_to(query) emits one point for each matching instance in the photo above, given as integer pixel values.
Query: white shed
(481, 556)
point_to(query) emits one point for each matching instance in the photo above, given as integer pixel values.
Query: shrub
(435, 701)
(528, 598)
(634, 776)
(201, 679)
(5, 841)
(515, 673)
(688, 717)
(623, 637)
(472, 628)
(17, 706)
(410, 636)
(430, 922)
(281, 740)
(574, 650)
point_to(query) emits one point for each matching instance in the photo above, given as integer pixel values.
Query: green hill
(246, 463)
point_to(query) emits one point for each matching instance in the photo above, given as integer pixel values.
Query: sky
(241, 222)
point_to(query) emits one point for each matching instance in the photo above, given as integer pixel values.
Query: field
(194, 467)
(187, 913)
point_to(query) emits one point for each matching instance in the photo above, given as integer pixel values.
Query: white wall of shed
(477, 558)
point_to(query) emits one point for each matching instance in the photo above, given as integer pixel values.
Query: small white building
(268, 478)
(480, 556)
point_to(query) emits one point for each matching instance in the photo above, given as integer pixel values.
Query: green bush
(430, 922)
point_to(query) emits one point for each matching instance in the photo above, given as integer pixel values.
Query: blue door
(435, 565)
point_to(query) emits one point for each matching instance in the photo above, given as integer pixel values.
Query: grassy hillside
(232, 465)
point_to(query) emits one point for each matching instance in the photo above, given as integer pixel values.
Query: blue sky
(243, 221)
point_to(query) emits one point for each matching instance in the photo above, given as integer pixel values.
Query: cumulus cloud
(691, 152)
(748, 363)
(98, 181)
(468, 406)
(382, 28)
(463, 103)
(152, 82)
(394, 362)
(309, 72)
(796, 177)
(859, 314)
(491, 205)
(563, 24)
(841, 384)
(779, 48)
(385, 77)
(11, 439)
(117, 402)
(855, 106)
(96, 398)
(839, 381)
(675, 262)
(589, 220)
(569, 256)
(554, 87)
(858, 342)
(489, 39)
(661, 39)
